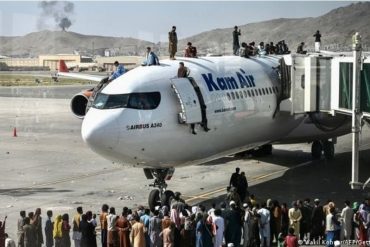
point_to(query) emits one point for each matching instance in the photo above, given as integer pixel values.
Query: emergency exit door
(188, 100)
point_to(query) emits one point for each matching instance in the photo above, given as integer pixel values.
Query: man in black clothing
(88, 238)
(242, 188)
(317, 221)
(300, 49)
(234, 180)
(236, 44)
(305, 223)
(233, 225)
(49, 241)
(317, 36)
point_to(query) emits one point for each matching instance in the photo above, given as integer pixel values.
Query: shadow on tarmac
(321, 179)
(18, 192)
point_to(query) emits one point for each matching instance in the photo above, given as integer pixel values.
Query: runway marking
(205, 195)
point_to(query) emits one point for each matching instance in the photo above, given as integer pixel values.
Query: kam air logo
(229, 82)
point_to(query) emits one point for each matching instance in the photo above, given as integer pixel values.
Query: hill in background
(62, 42)
(337, 28)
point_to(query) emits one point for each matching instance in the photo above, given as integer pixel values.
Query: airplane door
(188, 99)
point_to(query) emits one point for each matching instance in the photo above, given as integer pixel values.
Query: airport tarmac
(53, 92)
(48, 166)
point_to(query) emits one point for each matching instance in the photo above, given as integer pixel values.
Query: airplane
(151, 119)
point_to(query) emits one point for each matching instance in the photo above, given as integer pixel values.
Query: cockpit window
(144, 101)
(105, 101)
(141, 101)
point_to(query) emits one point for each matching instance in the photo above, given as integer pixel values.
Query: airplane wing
(63, 71)
(82, 76)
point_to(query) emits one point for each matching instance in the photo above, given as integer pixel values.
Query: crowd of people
(240, 220)
(281, 48)
(244, 50)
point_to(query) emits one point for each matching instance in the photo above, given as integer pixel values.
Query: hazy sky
(151, 20)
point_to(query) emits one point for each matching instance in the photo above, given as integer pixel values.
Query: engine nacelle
(79, 104)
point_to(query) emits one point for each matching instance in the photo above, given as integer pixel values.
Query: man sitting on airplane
(244, 50)
(151, 58)
(300, 49)
(183, 71)
(190, 51)
(120, 70)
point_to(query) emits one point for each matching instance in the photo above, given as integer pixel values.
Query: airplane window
(105, 101)
(252, 92)
(259, 90)
(233, 95)
(241, 94)
(142, 101)
(237, 95)
(263, 91)
(256, 92)
(228, 96)
(245, 94)
(249, 93)
(270, 90)
(277, 90)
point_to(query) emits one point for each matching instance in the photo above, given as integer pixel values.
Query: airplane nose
(100, 131)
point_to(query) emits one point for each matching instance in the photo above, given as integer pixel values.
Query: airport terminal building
(50, 62)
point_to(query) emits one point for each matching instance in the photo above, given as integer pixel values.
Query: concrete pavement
(49, 166)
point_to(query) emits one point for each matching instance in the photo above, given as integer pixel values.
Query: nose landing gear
(160, 196)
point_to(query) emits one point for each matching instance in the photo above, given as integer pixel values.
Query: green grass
(9, 80)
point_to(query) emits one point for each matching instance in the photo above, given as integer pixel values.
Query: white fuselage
(240, 97)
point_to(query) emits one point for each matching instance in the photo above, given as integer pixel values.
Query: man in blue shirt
(151, 58)
(145, 219)
(120, 70)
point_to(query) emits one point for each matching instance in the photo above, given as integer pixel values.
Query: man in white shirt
(347, 216)
(8, 241)
(265, 226)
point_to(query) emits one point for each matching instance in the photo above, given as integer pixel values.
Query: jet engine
(79, 104)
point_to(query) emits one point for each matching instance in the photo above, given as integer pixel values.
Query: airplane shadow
(322, 179)
(19, 192)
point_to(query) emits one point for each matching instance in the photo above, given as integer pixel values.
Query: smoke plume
(58, 11)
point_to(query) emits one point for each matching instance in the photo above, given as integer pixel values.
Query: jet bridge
(320, 83)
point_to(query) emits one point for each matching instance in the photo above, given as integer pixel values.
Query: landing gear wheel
(166, 198)
(154, 199)
(316, 150)
(266, 149)
(329, 150)
(160, 196)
